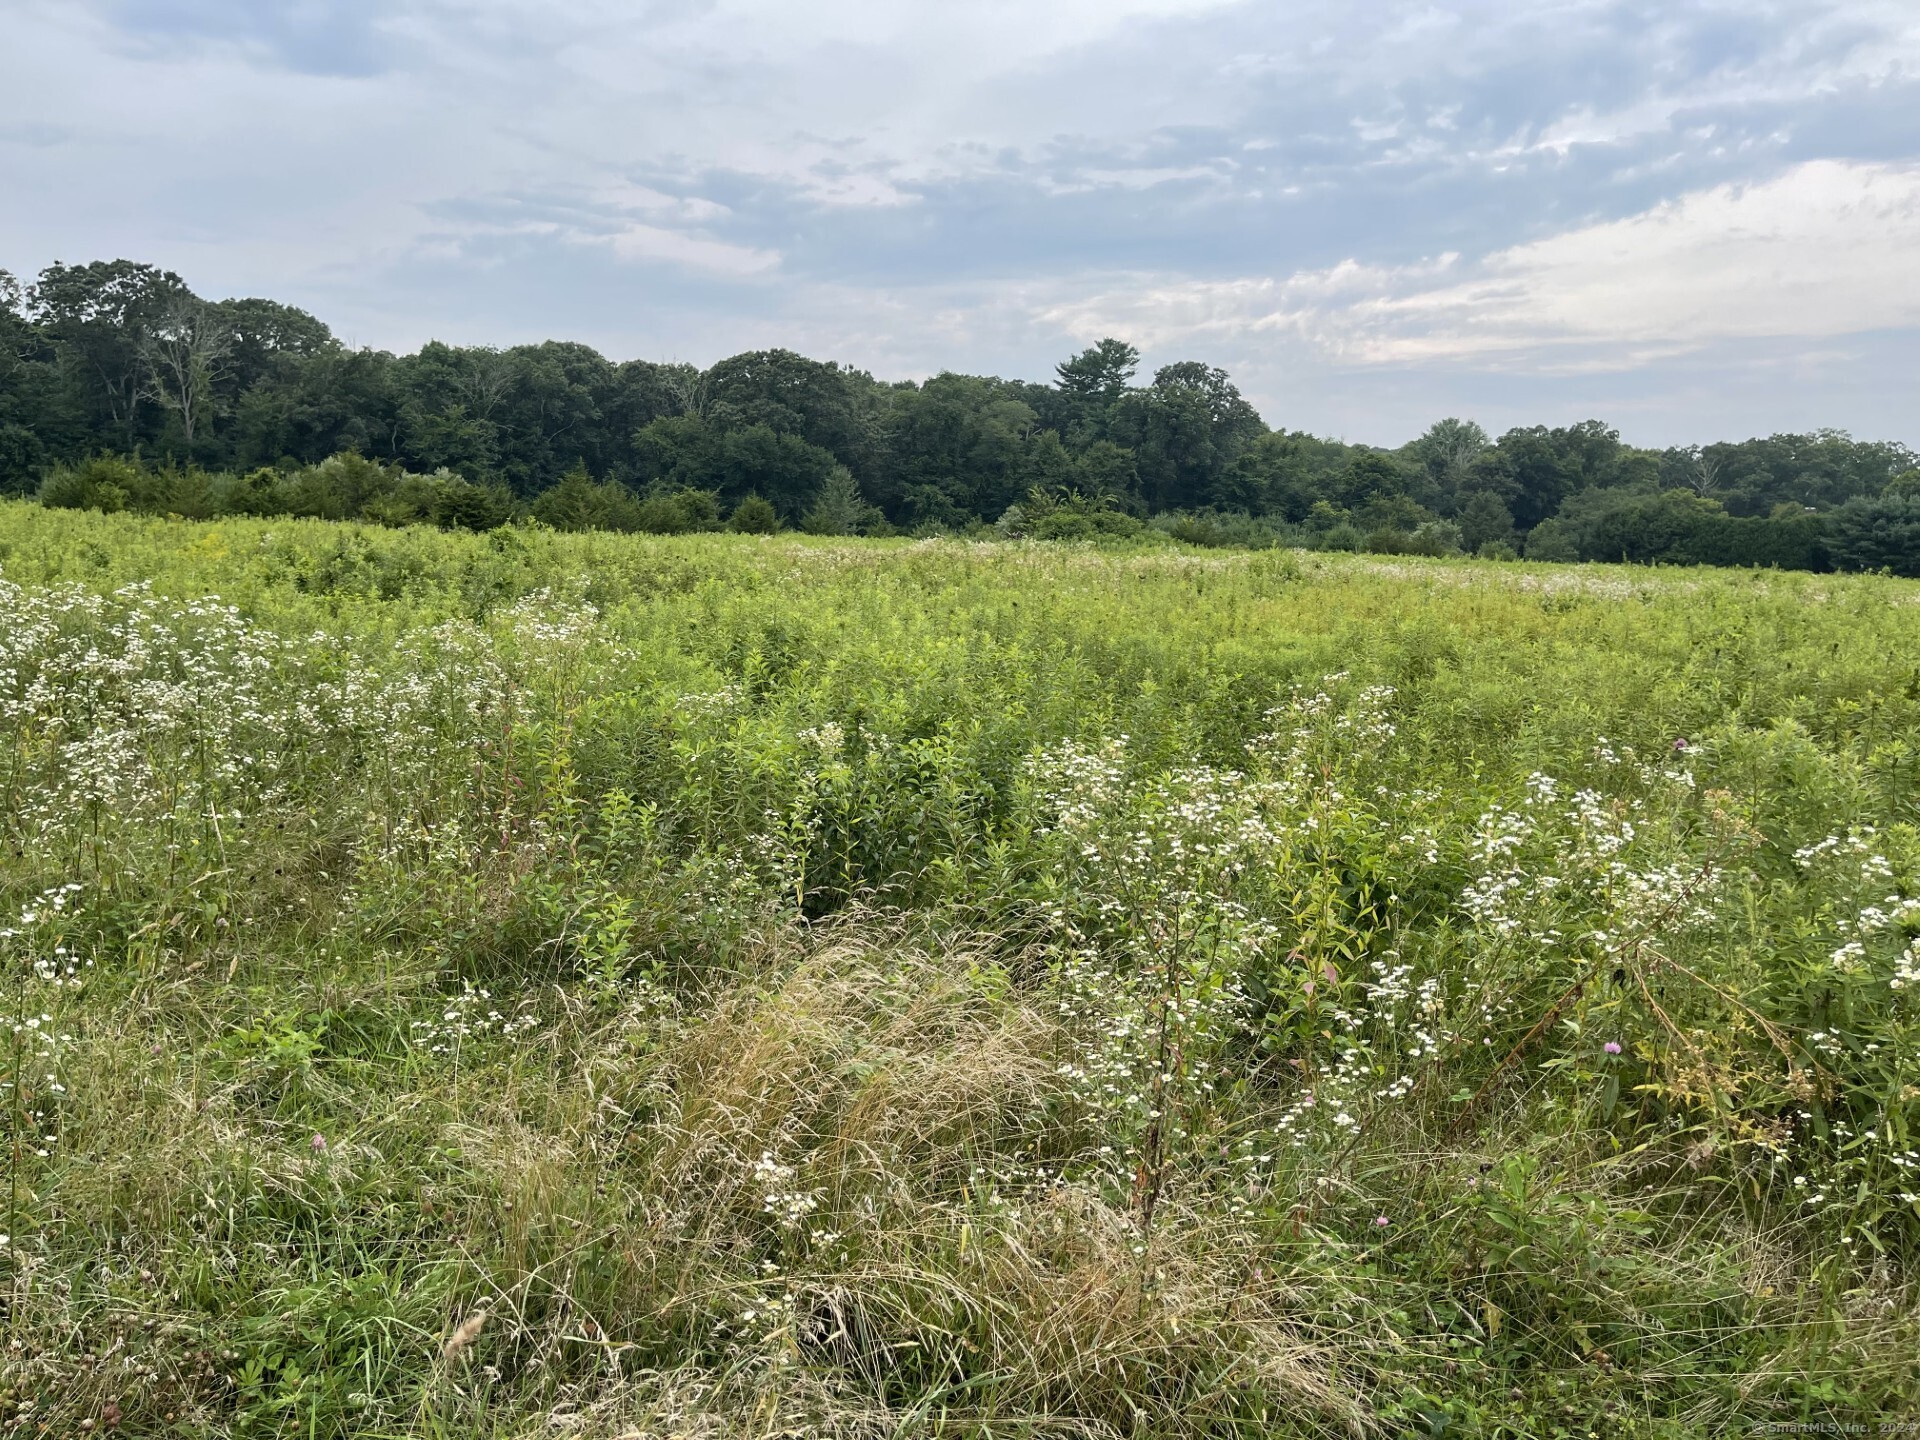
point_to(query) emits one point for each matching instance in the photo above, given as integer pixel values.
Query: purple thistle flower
(318, 1143)
(1382, 1221)
(1612, 1047)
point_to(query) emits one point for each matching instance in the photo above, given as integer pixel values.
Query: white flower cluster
(1082, 784)
(542, 621)
(469, 1015)
(33, 1082)
(138, 712)
(779, 1196)
(1906, 970)
(829, 740)
(1551, 867)
(1894, 915)
(1857, 841)
(50, 960)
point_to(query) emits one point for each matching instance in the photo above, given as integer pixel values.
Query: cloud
(315, 37)
(652, 242)
(1311, 192)
(1823, 250)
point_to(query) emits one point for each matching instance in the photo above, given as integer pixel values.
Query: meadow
(596, 985)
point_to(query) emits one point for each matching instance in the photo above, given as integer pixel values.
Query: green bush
(101, 482)
(1550, 540)
(1877, 533)
(753, 516)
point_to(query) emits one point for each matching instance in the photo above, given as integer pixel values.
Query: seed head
(468, 1332)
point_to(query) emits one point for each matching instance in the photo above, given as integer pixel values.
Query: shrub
(1437, 537)
(840, 508)
(578, 503)
(1880, 532)
(100, 482)
(1549, 540)
(679, 512)
(753, 516)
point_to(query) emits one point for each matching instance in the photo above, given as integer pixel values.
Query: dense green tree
(1821, 469)
(754, 516)
(1448, 450)
(579, 503)
(810, 400)
(1551, 540)
(1108, 472)
(251, 406)
(318, 405)
(1286, 474)
(1372, 475)
(960, 447)
(1186, 430)
(839, 508)
(1091, 385)
(264, 337)
(100, 318)
(1484, 519)
(1877, 532)
(688, 452)
(31, 408)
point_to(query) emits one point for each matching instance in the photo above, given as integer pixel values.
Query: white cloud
(680, 247)
(911, 184)
(1825, 249)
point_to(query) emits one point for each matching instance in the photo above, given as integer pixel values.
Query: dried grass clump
(902, 1086)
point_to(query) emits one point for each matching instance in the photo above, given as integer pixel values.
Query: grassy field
(591, 986)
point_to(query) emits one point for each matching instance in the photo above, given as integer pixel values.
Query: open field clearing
(593, 985)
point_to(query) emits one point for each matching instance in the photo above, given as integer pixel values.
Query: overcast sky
(1694, 220)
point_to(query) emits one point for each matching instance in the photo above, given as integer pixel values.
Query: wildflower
(1680, 744)
(1382, 1221)
(1612, 1047)
(318, 1144)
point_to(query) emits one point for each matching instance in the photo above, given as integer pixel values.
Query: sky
(1693, 220)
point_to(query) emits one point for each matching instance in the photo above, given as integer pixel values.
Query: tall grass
(530, 984)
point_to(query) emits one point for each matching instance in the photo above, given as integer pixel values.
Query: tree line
(121, 388)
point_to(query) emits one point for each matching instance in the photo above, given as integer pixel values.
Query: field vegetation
(531, 984)
(120, 389)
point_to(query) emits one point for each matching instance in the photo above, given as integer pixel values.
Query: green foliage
(679, 512)
(840, 509)
(1682, 527)
(1067, 515)
(872, 986)
(754, 516)
(1551, 540)
(103, 482)
(347, 486)
(578, 503)
(1485, 520)
(214, 397)
(1877, 533)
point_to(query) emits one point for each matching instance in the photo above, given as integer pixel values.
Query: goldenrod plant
(738, 984)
